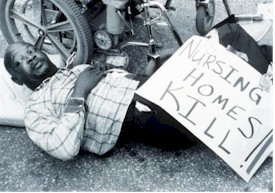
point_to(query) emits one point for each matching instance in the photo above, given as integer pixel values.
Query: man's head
(28, 65)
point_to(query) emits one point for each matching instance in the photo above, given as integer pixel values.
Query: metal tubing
(165, 14)
(148, 23)
(227, 7)
(203, 2)
(148, 20)
(114, 23)
(141, 44)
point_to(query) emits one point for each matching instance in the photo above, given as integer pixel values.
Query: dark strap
(231, 33)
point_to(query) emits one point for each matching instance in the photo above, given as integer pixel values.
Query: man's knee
(230, 33)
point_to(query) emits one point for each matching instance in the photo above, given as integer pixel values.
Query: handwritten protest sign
(216, 95)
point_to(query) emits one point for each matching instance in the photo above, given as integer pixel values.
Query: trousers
(234, 35)
(157, 127)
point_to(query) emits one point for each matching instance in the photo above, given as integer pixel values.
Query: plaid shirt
(61, 125)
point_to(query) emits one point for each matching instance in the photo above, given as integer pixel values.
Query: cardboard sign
(216, 96)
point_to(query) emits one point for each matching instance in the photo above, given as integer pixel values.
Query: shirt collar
(59, 75)
(43, 83)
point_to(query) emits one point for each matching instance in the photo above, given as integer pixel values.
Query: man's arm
(61, 136)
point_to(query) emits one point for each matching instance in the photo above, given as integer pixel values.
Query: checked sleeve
(59, 136)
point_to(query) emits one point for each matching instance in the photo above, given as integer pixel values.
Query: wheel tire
(152, 66)
(204, 21)
(81, 31)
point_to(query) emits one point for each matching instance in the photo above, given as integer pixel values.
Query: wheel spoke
(39, 11)
(39, 42)
(23, 19)
(60, 27)
(59, 46)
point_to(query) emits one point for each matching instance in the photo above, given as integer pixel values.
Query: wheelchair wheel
(205, 17)
(55, 26)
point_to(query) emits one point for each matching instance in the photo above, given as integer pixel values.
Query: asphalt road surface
(133, 167)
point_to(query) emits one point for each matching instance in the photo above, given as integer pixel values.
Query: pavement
(133, 166)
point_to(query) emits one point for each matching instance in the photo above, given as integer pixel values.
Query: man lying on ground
(92, 108)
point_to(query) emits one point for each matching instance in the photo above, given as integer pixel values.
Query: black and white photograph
(136, 96)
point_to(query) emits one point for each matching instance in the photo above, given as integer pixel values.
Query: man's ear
(16, 81)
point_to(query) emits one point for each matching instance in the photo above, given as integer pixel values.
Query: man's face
(29, 64)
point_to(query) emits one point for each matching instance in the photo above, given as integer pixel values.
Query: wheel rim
(210, 12)
(43, 23)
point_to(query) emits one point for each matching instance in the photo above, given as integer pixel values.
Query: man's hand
(86, 81)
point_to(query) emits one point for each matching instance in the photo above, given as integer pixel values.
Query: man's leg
(171, 133)
(234, 35)
(267, 52)
(156, 128)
